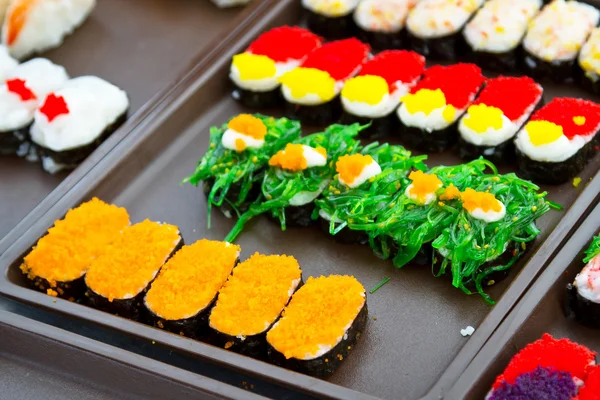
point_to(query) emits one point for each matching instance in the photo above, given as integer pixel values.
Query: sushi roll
(24, 90)
(555, 37)
(7, 63)
(588, 70)
(256, 72)
(583, 296)
(546, 369)
(311, 90)
(381, 22)
(500, 110)
(182, 295)
(429, 114)
(434, 27)
(494, 35)
(238, 154)
(119, 277)
(74, 120)
(557, 142)
(86, 231)
(320, 326)
(330, 18)
(33, 26)
(374, 95)
(251, 302)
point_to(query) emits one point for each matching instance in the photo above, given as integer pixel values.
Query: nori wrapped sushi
(251, 302)
(501, 109)
(184, 292)
(330, 18)
(85, 232)
(320, 326)
(555, 37)
(588, 66)
(374, 95)
(119, 278)
(233, 167)
(381, 22)
(583, 296)
(429, 114)
(558, 141)
(256, 72)
(298, 175)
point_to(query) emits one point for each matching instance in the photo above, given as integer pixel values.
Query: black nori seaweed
(253, 99)
(232, 196)
(72, 290)
(383, 40)
(321, 114)
(503, 152)
(346, 235)
(505, 62)
(585, 311)
(330, 27)
(195, 327)
(379, 127)
(325, 365)
(556, 71)
(11, 142)
(436, 141)
(446, 48)
(296, 215)
(588, 80)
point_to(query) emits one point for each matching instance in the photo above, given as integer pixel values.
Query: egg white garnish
(331, 8)
(438, 18)
(230, 139)
(588, 280)
(488, 216)
(369, 171)
(429, 197)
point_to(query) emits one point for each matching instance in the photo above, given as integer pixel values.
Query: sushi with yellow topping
(330, 18)
(588, 66)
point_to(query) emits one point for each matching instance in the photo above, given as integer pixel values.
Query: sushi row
(583, 295)
(44, 113)
(259, 307)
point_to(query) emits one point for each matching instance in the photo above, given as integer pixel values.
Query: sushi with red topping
(558, 141)
(429, 114)
(583, 296)
(375, 93)
(256, 72)
(330, 18)
(311, 90)
(591, 387)
(500, 110)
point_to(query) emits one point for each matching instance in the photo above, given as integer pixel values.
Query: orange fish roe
(351, 166)
(248, 125)
(473, 199)
(71, 245)
(423, 184)
(190, 280)
(450, 193)
(291, 158)
(255, 294)
(318, 316)
(132, 261)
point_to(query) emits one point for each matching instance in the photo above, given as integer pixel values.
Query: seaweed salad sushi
(430, 112)
(558, 141)
(374, 95)
(330, 18)
(589, 63)
(256, 72)
(500, 110)
(555, 37)
(583, 296)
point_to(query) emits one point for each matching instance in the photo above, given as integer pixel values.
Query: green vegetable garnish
(593, 250)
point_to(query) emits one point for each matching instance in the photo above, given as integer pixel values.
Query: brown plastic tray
(38, 361)
(539, 311)
(412, 350)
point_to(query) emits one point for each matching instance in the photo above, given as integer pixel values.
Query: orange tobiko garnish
(450, 193)
(291, 158)
(248, 125)
(351, 166)
(473, 200)
(423, 184)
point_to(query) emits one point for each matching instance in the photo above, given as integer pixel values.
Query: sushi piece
(430, 113)
(33, 26)
(434, 27)
(320, 326)
(588, 71)
(583, 296)
(501, 109)
(25, 88)
(494, 35)
(118, 279)
(381, 22)
(330, 18)
(7, 63)
(311, 90)
(58, 262)
(256, 72)
(238, 154)
(591, 386)
(546, 369)
(298, 174)
(74, 120)
(555, 37)
(374, 95)
(557, 142)
(184, 292)
(251, 302)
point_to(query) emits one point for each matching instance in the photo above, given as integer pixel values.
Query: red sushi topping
(54, 106)
(514, 96)
(18, 87)
(395, 66)
(285, 43)
(591, 387)
(340, 59)
(561, 354)
(577, 117)
(459, 82)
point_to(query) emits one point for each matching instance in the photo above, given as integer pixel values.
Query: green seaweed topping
(380, 284)
(244, 169)
(593, 250)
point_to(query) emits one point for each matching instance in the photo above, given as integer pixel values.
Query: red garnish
(566, 111)
(54, 106)
(591, 386)
(285, 43)
(561, 354)
(18, 87)
(514, 96)
(386, 65)
(459, 82)
(340, 58)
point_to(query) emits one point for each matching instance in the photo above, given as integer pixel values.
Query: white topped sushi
(589, 62)
(330, 18)
(6, 62)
